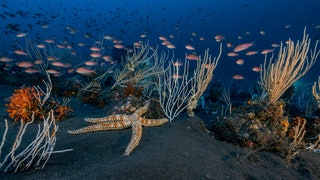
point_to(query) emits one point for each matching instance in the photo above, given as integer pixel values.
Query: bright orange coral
(61, 112)
(23, 103)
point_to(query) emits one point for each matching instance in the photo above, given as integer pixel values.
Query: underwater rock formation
(257, 126)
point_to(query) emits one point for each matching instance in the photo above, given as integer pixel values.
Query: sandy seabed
(182, 149)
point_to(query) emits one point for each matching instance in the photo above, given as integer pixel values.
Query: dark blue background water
(128, 19)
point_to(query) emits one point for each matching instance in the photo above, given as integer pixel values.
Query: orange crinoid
(26, 101)
(23, 103)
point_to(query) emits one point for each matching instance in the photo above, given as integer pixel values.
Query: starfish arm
(102, 126)
(141, 110)
(153, 122)
(111, 118)
(135, 139)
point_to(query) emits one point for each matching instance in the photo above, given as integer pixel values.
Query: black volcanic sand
(181, 149)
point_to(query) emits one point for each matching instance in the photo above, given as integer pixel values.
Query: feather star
(118, 122)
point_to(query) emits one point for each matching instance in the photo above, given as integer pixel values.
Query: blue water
(186, 20)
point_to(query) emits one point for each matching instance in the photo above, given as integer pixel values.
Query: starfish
(119, 121)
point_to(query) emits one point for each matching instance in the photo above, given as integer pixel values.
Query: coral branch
(292, 63)
(38, 152)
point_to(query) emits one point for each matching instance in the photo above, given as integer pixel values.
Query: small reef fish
(95, 55)
(171, 46)
(232, 54)
(52, 58)
(162, 38)
(20, 52)
(94, 48)
(240, 62)
(189, 47)
(242, 47)
(25, 64)
(49, 41)
(192, 57)
(177, 64)
(219, 38)
(30, 71)
(176, 76)
(90, 63)
(84, 71)
(6, 59)
(118, 46)
(20, 35)
(41, 46)
(266, 51)
(238, 77)
(250, 53)
(256, 69)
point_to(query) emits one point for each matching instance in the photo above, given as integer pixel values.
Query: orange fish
(242, 47)
(19, 35)
(171, 46)
(31, 71)
(162, 38)
(240, 62)
(90, 63)
(38, 61)
(232, 54)
(58, 64)
(24, 64)
(266, 51)
(60, 46)
(70, 70)
(177, 63)
(250, 53)
(52, 71)
(219, 38)
(118, 46)
(165, 43)
(176, 76)
(143, 35)
(20, 52)
(106, 58)
(95, 55)
(107, 37)
(238, 77)
(275, 45)
(207, 66)
(137, 44)
(5, 59)
(94, 48)
(229, 45)
(52, 58)
(189, 47)
(192, 57)
(50, 41)
(41, 46)
(67, 65)
(85, 71)
(256, 69)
